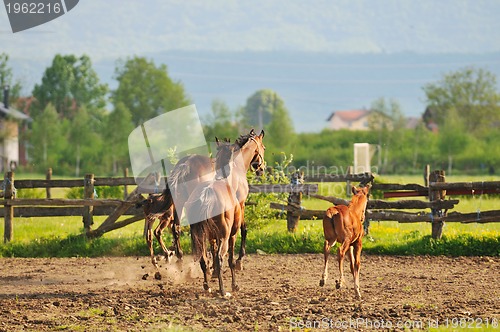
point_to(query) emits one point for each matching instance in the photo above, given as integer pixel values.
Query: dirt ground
(277, 292)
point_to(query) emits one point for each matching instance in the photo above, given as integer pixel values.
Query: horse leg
(326, 252)
(213, 249)
(149, 239)
(164, 222)
(218, 267)
(243, 244)
(204, 268)
(200, 250)
(356, 266)
(176, 233)
(351, 258)
(340, 256)
(232, 266)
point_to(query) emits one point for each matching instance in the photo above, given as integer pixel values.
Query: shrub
(30, 193)
(101, 191)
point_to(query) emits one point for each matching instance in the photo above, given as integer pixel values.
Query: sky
(112, 29)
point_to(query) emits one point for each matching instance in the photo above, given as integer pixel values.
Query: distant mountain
(311, 84)
(113, 28)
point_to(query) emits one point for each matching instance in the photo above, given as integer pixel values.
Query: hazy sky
(110, 29)
(117, 28)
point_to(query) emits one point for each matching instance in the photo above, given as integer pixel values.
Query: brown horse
(193, 167)
(239, 182)
(185, 176)
(214, 208)
(345, 224)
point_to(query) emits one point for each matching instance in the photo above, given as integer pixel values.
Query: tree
(118, 127)
(147, 90)
(221, 122)
(6, 78)
(281, 134)
(471, 92)
(387, 121)
(48, 138)
(452, 136)
(260, 107)
(82, 138)
(70, 83)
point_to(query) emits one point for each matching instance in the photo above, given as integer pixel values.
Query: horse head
(257, 163)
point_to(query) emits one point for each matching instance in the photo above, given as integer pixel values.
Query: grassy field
(60, 236)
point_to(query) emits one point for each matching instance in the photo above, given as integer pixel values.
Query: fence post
(427, 172)
(125, 188)
(48, 177)
(295, 200)
(88, 211)
(436, 195)
(350, 170)
(8, 233)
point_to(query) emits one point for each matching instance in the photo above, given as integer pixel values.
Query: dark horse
(157, 206)
(214, 208)
(190, 170)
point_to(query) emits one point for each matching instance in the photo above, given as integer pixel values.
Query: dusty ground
(278, 292)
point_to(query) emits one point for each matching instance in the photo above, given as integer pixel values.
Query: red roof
(349, 115)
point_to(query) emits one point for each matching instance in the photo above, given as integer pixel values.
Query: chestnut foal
(345, 224)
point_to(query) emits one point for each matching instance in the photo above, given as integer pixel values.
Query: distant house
(351, 119)
(359, 119)
(10, 119)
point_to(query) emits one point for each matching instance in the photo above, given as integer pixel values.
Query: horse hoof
(227, 295)
(205, 287)
(321, 283)
(236, 288)
(238, 266)
(158, 275)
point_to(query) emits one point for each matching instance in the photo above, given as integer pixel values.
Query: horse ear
(252, 132)
(262, 134)
(354, 190)
(217, 140)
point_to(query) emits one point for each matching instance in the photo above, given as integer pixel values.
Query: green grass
(61, 236)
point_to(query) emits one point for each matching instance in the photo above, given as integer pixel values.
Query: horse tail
(329, 224)
(332, 211)
(200, 216)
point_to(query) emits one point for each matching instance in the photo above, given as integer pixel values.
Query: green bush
(101, 191)
(30, 193)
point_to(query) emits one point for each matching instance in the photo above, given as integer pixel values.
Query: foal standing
(345, 224)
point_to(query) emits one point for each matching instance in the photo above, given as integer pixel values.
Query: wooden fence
(436, 189)
(90, 206)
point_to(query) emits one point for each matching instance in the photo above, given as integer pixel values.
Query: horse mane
(243, 139)
(179, 174)
(224, 156)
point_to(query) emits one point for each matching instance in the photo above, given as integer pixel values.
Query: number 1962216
(33, 8)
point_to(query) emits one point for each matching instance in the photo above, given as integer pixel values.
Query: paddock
(277, 291)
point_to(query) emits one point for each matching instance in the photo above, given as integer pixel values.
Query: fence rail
(115, 208)
(380, 210)
(90, 206)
